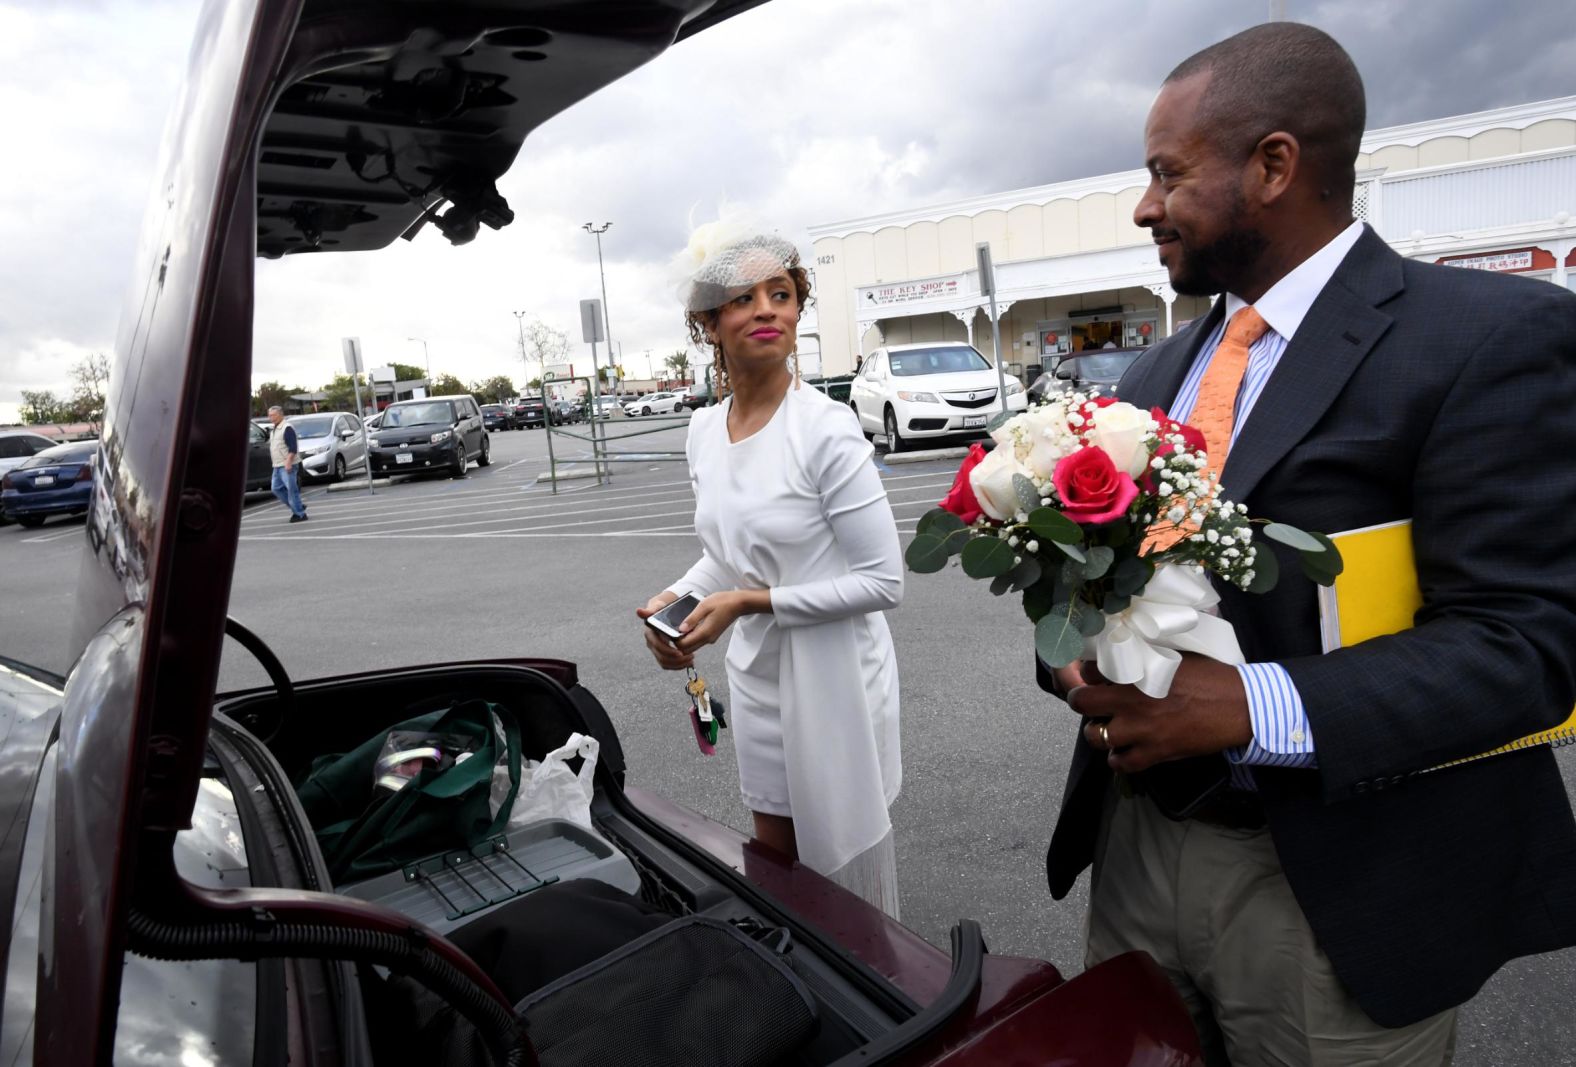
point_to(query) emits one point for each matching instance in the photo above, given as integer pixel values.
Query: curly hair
(702, 325)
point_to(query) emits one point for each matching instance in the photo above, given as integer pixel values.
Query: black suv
(497, 417)
(528, 411)
(438, 432)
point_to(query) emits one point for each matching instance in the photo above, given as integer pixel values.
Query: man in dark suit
(1315, 898)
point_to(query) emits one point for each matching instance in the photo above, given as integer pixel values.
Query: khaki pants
(1212, 906)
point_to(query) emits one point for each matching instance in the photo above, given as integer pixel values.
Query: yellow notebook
(1377, 593)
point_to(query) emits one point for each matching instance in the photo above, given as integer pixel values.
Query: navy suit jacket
(1448, 397)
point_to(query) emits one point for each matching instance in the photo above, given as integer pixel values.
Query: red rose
(960, 498)
(1194, 439)
(1092, 489)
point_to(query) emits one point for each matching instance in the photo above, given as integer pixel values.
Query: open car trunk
(549, 897)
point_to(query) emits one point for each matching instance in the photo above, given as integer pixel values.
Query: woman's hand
(712, 617)
(668, 657)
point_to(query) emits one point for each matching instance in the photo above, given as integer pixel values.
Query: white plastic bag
(549, 789)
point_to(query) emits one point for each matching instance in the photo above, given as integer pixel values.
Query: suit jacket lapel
(1163, 377)
(1340, 329)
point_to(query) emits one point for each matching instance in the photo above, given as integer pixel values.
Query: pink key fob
(706, 747)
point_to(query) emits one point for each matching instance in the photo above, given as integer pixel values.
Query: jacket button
(1361, 787)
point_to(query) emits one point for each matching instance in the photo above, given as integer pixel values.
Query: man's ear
(1274, 168)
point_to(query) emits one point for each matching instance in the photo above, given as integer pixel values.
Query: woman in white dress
(799, 556)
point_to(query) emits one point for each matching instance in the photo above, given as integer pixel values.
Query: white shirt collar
(1286, 303)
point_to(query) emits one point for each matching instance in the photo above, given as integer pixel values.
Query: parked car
(931, 389)
(438, 433)
(566, 409)
(497, 417)
(169, 899)
(265, 424)
(530, 411)
(698, 397)
(372, 422)
(607, 406)
(330, 444)
(1102, 368)
(259, 460)
(16, 447)
(654, 404)
(54, 481)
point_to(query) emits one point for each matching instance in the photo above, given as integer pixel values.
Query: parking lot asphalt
(428, 570)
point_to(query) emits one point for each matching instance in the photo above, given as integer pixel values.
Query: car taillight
(86, 473)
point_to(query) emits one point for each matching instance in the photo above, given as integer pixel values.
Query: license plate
(43, 480)
(404, 457)
(973, 422)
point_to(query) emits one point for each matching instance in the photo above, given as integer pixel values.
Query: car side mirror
(1064, 374)
(345, 435)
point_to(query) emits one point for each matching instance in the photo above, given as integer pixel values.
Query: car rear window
(16, 446)
(1105, 367)
(62, 454)
(948, 360)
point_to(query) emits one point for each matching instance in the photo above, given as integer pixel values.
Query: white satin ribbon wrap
(1143, 645)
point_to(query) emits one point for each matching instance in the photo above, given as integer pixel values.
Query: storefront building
(1495, 190)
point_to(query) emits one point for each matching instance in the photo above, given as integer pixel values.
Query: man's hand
(1206, 711)
(668, 657)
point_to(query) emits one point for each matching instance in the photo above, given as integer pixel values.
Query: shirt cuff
(1281, 734)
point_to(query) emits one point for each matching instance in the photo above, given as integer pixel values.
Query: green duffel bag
(369, 820)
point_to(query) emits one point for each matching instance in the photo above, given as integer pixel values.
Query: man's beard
(1222, 264)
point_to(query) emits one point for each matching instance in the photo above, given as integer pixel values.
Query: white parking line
(56, 535)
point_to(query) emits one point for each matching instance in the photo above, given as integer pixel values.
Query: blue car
(56, 481)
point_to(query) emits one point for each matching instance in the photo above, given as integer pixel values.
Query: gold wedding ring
(1105, 737)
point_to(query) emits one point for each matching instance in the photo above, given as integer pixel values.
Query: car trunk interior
(494, 900)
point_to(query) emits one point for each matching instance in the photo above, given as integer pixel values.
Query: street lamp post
(607, 324)
(427, 356)
(519, 321)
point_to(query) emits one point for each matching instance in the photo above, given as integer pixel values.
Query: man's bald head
(1284, 76)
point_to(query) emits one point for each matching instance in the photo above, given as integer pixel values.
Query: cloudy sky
(802, 112)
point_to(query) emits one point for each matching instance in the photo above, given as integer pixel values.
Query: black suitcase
(695, 992)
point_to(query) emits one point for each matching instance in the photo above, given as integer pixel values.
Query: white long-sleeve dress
(798, 508)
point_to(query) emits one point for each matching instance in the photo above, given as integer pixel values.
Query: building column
(966, 316)
(1164, 291)
(1560, 250)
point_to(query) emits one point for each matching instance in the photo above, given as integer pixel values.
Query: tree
(544, 345)
(535, 385)
(408, 372)
(91, 375)
(270, 394)
(446, 385)
(340, 394)
(42, 406)
(498, 387)
(679, 364)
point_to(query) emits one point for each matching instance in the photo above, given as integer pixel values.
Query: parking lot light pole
(607, 324)
(427, 356)
(519, 321)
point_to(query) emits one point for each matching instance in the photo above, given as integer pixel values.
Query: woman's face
(761, 326)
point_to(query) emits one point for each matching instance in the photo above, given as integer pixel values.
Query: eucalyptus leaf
(1026, 573)
(955, 541)
(997, 420)
(1090, 621)
(1050, 523)
(1057, 638)
(1100, 560)
(1292, 537)
(1073, 553)
(938, 521)
(1028, 493)
(1071, 576)
(926, 554)
(1266, 570)
(1131, 575)
(1329, 560)
(1038, 599)
(1116, 602)
(1118, 533)
(987, 557)
(1000, 584)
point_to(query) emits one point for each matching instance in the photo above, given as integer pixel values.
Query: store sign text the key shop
(913, 292)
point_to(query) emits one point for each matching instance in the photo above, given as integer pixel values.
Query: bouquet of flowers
(1107, 519)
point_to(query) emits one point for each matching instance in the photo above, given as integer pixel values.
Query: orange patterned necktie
(1214, 414)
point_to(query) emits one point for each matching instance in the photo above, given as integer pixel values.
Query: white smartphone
(667, 620)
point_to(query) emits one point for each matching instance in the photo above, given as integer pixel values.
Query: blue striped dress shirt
(1281, 734)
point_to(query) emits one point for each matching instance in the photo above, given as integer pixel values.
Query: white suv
(932, 389)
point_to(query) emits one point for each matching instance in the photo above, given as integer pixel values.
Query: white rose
(1119, 431)
(992, 482)
(1002, 434)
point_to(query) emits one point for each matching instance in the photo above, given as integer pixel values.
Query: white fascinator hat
(728, 257)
